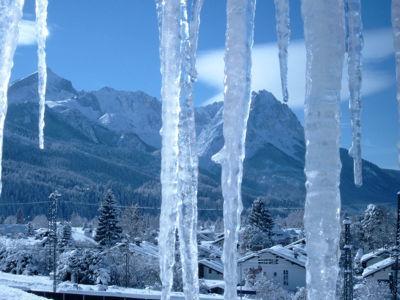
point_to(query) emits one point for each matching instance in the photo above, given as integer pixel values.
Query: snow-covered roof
(210, 248)
(378, 266)
(13, 293)
(213, 264)
(78, 235)
(375, 253)
(247, 256)
(145, 248)
(288, 254)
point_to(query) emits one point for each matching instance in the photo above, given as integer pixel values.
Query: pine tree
(29, 229)
(20, 216)
(258, 233)
(66, 237)
(108, 231)
(260, 217)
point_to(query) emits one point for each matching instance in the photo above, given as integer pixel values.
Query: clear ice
(324, 39)
(238, 45)
(283, 35)
(188, 160)
(354, 58)
(41, 25)
(169, 19)
(10, 16)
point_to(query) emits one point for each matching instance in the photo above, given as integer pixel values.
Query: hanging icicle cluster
(10, 16)
(325, 48)
(354, 48)
(41, 26)
(283, 34)
(179, 170)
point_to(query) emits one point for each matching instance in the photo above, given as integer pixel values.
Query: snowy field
(16, 283)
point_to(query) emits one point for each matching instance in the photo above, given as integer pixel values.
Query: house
(380, 270)
(211, 269)
(144, 248)
(280, 264)
(209, 250)
(375, 256)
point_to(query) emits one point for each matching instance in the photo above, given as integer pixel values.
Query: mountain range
(110, 139)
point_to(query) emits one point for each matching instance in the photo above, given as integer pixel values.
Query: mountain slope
(110, 138)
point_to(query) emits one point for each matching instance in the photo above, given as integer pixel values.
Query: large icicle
(10, 16)
(325, 48)
(396, 40)
(238, 45)
(283, 35)
(169, 16)
(188, 160)
(41, 25)
(354, 48)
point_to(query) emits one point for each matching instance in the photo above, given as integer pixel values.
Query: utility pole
(53, 209)
(395, 267)
(348, 262)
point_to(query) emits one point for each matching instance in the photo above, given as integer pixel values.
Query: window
(268, 261)
(285, 277)
(209, 271)
(275, 274)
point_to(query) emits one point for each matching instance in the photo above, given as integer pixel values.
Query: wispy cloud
(27, 33)
(265, 71)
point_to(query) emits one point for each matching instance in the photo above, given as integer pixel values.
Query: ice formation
(169, 16)
(238, 45)
(325, 48)
(41, 24)
(10, 16)
(396, 40)
(283, 35)
(188, 160)
(354, 48)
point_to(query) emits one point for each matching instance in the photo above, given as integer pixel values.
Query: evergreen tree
(20, 216)
(258, 233)
(66, 237)
(260, 217)
(108, 230)
(29, 229)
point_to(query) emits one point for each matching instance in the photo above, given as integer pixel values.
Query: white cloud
(266, 74)
(27, 33)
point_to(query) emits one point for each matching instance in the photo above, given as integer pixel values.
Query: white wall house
(280, 264)
(211, 269)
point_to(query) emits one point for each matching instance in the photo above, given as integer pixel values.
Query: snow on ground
(7, 293)
(43, 283)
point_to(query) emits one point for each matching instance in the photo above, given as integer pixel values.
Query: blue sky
(97, 43)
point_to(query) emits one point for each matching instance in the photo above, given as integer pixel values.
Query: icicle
(396, 39)
(188, 160)
(41, 24)
(239, 41)
(283, 35)
(354, 48)
(324, 40)
(10, 16)
(169, 16)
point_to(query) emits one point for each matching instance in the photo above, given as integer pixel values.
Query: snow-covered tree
(267, 289)
(131, 222)
(66, 235)
(10, 220)
(20, 216)
(371, 290)
(258, 232)
(378, 227)
(40, 221)
(29, 229)
(108, 232)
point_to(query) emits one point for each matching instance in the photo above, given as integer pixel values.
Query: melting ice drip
(238, 45)
(179, 171)
(325, 48)
(42, 32)
(283, 34)
(354, 48)
(10, 16)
